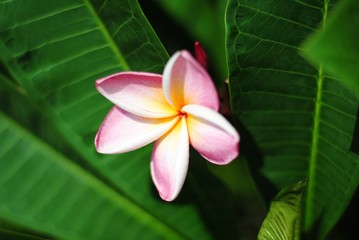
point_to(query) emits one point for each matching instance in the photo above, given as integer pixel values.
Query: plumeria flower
(174, 110)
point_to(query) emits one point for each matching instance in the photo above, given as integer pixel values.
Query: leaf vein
(45, 16)
(278, 17)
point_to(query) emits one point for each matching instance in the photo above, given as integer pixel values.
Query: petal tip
(167, 198)
(99, 146)
(166, 191)
(232, 155)
(97, 141)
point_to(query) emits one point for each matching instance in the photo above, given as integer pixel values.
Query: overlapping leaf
(296, 120)
(336, 45)
(283, 221)
(55, 51)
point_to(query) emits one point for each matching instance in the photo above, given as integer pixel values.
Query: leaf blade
(276, 96)
(29, 201)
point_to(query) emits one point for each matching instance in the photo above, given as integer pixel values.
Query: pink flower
(174, 110)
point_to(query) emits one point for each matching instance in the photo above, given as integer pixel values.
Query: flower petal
(211, 134)
(122, 131)
(185, 81)
(170, 161)
(136, 92)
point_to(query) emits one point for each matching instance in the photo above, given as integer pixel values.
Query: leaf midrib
(309, 213)
(108, 37)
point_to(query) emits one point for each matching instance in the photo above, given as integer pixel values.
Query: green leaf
(295, 120)
(284, 217)
(335, 47)
(9, 235)
(45, 191)
(22, 109)
(56, 51)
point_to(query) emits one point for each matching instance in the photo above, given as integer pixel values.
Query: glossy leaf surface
(296, 121)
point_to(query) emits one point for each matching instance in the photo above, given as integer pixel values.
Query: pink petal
(136, 92)
(211, 134)
(170, 161)
(185, 81)
(122, 131)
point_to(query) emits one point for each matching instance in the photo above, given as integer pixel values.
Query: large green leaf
(296, 121)
(45, 191)
(336, 45)
(55, 51)
(26, 112)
